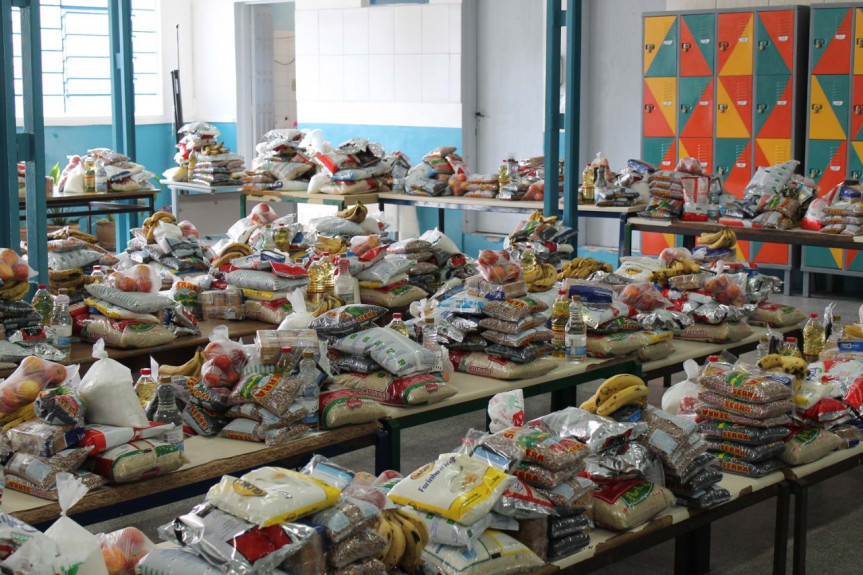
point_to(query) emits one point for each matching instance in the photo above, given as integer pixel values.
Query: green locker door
(827, 163)
(695, 106)
(734, 163)
(661, 152)
(774, 42)
(660, 46)
(831, 41)
(697, 39)
(829, 103)
(773, 106)
(826, 258)
(855, 161)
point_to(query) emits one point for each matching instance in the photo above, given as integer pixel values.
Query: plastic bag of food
(506, 410)
(572, 496)
(721, 431)
(346, 517)
(59, 406)
(107, 390)
(139, 278)
(441, 487)
(543, 477)
(777, 315)
(674, 396)
(746, 452)
(494, 552)
(139, 302)
(627, 504)
(271, 391)
(727, 463)
(540, 447)
(809, 444)
(749, 387)
(350, 363)
(347, 407)
(347, 319)
(392, 296)
(598, 433)
(722, 333)
(522, 501)
(79, 549)
(366, 543)
(643, 296)
(755, 410)
(421, 389)
(136, 460)
(122, 549)
(42, 471)
(402, 356)
(28, 379)
(39, 438)
(272, 495)
(169, 560)
(497, 266)
(479, 363)
(708, 412)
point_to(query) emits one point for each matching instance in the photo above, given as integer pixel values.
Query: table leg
(801, 510)
(666, 380)
(175, 203)
(626, 247)
(807, 277)
(392, 459)
(242, 205)
(692, 552)
(622, 239)
(780, 537)
(441, 219)
(382, 451)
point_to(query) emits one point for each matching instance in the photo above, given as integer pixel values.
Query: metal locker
(831, 41)
(763, 253)
(699, 148)
(773, 106)
(854, 260)
(858, 40)
(661, 152)
(827, 163)
(660, 46)
(734, 163)
(826, 258)
(660, 107)
(774, 42)
(734, 107)
(828, 107)
(855, 161)
(734, 42)
(856, 130)
(695, 97)
(697, 33)
(769, 152)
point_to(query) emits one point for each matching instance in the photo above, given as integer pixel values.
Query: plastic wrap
(346, 319)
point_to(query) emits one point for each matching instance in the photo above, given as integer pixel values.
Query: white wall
(382, 65)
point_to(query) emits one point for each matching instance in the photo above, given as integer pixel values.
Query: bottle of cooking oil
(790, 348)
(559, 317)
(315, 289)
(329, 273)
(813, 338)
(398, 324)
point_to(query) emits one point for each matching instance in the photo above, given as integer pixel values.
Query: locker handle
(859, 42)
(723, 46)
(855, 175)
(761, 108)
(816, 108)
(814, 173)
(762, 45)
(722, 107)
(685, 46)
(685, 109)
(858, 109)
(648, 108)
(722, 170)
(819, 42)
(650, 47)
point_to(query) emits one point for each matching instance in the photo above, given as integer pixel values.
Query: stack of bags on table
(839, 211)
(667, 189)
(71, 259)
(280, 164)
(127, 311)
(14, 285)
(356, 167)
(201, 160)
(775, 197)
(525, 179)
(493, 328)
(172, 248)
(387, 282)
(546, 237)
(123, 175)
(623, 189)
(433, 176)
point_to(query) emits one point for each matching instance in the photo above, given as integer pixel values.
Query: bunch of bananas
(536, 216)
(214, 149)
(230, 252)
(680, 267)
(17, 417)
(617, 391)
(328, 302)
(852, 331)
(724, 239)
(71, 280)
(356, 213)
(792, 365)
(406, 535)
(65, 233)
(582, 268)
(151, 223)
(540, 277)
(191, 368)
(332, 245)
(13, 291)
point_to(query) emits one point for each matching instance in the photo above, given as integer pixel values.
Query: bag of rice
(722, 333)
(386, 271)
(777, 315)
(493, 553)
(347, 407)
(392, 296)
(272, 495)
(347, 319)
(412, 390)
(537, 446)
(126, 334)
(135, 461)
(133, 301)
(626, 504)
(273, 391)
(456, 486)
(479, 363)
(274, 311)
(809, 444)
(613, 345)
(402, 356)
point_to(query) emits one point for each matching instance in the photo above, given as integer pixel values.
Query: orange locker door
(660, 107)
(734, 41)
(699, 148)
(734, 107)
(831, 41)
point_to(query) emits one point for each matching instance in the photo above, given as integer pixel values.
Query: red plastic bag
(123, 548)
(497, 266)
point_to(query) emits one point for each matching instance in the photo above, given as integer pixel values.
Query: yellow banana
(13, 291)
(770, 361)
(411, 558)
(635, 395)
(796, 366)
(23, 411)
(385, 530)
(852, 331)
(237, 247)
(191, 368)
(397, 549)
(590, 404)
(617, 383)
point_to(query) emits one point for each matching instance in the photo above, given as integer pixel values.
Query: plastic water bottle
(145, 387)
(576, 333)
(61, 324)
(287, 362)
(309, 391)
(398, 324)
(345, 284)
(790, 348)
(98, 275)
(100, 179)
(814, 338)
(559, 317)
(168, 412)
(43, 303)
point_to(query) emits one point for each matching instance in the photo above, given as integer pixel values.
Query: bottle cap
(576, 298)
(713, 358)
(813, 316)
(561, 292)
(307, 354)
(287, 349)
(326, 254)
(145, 371)
(97, 268)
(42, 286)
(397, 316)
(165, 379)
(791, 340)
(429, 320)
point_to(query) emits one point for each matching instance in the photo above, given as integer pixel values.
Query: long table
(209, 459)
(794, 237)
(297, 197)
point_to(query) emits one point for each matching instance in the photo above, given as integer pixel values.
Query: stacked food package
(775, 197)
(121, 174)
(442, 172)
(356, 167)
(280, 164)
(603, 188)
(839, 211)
(521, 180)
(547, 238)
(71, 257)
(203, 160)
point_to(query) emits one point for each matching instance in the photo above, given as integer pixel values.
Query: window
(76, 63)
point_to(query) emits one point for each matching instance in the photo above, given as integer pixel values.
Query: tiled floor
(741, 544)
